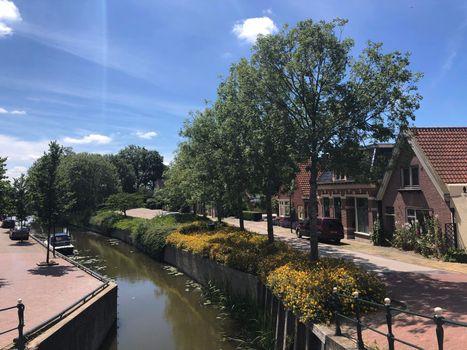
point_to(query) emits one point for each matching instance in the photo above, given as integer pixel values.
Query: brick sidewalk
(45, 291)
(420, 283)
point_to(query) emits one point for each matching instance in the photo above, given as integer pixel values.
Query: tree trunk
(313, 210)
(240, 213)
(53, 247)
(48, 244)
(269, 217)
(218, 210)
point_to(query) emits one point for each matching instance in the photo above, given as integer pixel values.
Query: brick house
(428, 176)
(340, 197)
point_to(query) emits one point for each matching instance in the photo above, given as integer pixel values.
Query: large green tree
(337, 102)
(48, 202)
(87, 179)
(145, 166)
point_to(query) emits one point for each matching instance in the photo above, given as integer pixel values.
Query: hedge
(252, 215)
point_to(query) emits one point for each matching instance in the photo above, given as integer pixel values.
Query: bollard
(360, 344)
(20, 341)
(439, 320)
(337, 312)
(389, 335)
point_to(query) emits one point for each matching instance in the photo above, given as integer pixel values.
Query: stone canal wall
(85, 328)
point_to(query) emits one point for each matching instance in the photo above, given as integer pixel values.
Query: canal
(158, 308)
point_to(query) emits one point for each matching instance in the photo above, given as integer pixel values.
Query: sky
(97, 75)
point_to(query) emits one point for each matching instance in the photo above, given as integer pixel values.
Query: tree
(147, 167)
(126, 173)
(20, 199)
(123, 201)
(272, 145)
(46, 199)
(337, 103)
(5, 189)
(87, 179)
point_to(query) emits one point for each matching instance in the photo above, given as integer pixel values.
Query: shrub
(404, 237)
(377, 236)
(105, 220)
(195, 226)
(304, 287)
(252, 215)
(455, 255)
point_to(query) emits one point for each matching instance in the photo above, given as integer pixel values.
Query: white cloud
(17, 112)
(250, 28)
(8, 14)
(91, 138)
(146, 135)
(21, 154)
(267, 12)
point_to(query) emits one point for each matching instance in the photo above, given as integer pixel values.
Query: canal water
(158, 308)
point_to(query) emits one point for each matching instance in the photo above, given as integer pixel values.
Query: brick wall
(427, 197)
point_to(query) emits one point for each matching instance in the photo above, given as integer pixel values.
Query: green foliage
(88, 179)
(20, 198)
(253, 215)
(404, 237)
(148, 235)
(123, 201)
(5, 189)
(377, 236)
(106, 220)
(195, 226)
(49, 202)
(455, 255)
(138, 168)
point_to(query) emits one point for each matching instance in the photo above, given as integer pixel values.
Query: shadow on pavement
(19, 244)
(3, 282)
(55, 271)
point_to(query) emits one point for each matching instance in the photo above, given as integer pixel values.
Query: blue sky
(99, 75)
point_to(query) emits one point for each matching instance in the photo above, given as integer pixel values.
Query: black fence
(20, 341)
(437, 318)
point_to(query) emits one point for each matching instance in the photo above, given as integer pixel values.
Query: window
(409, 177)
(418, 216)
(301, 214)
(337, 208)
(284, 208)
(326, 207)
(361, 214)
(338, 177)
(389, 211)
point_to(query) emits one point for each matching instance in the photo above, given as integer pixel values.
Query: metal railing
(437, 318)
(21, 340)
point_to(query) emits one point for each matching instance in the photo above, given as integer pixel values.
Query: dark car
(329, 229)
(19, 233)
(8, 223)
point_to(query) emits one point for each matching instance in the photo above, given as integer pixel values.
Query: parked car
(19, 233)
(8, 223)
(329, 229)
(287, 222)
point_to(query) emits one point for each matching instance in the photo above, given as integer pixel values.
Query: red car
(329, 229)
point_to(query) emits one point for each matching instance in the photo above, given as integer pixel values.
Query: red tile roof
(446, 150)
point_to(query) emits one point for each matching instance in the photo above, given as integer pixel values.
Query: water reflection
(156, 310)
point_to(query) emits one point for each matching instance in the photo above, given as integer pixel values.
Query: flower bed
(304, 287)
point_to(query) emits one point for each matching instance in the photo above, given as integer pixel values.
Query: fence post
(20, 341)
(361, 345)
(390, 336)
(439, 320)
(337, 312)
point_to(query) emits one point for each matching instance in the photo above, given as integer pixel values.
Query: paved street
(420, 283)
(45, 291)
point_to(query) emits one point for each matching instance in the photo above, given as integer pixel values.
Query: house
(428, 176)
(340, 197)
